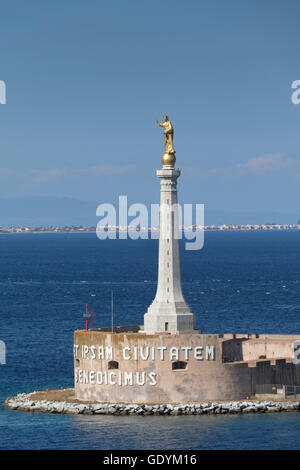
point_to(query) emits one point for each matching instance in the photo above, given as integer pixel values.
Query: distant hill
(64, 211)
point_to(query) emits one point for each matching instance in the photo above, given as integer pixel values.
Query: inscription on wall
(143, 353)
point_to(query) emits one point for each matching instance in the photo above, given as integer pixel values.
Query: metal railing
(285, 391)
(292, 391)
(269, 389)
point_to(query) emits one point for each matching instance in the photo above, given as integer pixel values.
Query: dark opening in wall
(179, 365)
(113, 365)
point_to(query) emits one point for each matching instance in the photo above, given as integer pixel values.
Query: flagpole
(112, 311)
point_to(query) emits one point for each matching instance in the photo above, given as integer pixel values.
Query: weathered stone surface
(273, 409)
(249, 409)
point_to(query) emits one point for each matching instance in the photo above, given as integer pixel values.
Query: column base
(160, 320)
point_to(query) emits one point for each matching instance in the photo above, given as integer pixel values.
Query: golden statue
(168, 135)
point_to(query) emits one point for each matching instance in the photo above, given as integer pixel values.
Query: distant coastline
(118, 229)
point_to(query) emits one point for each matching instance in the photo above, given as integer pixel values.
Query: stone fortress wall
(134, 367)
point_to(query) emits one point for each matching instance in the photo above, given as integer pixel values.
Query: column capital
(168, 173)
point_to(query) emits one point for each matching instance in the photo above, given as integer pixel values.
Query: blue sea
(246, 282)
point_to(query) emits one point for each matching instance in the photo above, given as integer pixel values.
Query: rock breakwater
(28, 402)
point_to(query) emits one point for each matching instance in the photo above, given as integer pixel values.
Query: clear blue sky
(86, 81)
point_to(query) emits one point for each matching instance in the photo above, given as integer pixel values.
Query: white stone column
(169, 311)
